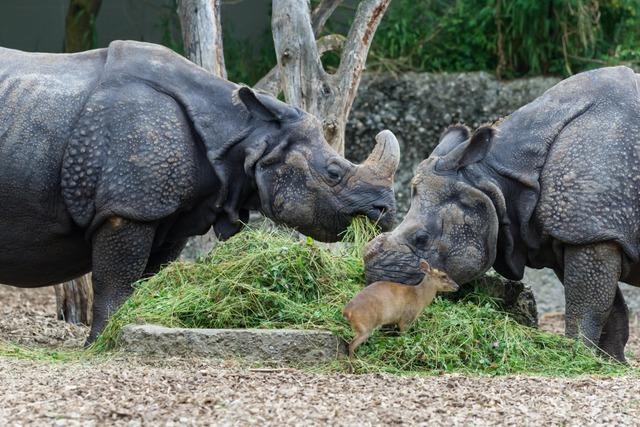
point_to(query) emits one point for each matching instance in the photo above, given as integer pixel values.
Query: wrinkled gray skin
(111, 158)
(555, 184)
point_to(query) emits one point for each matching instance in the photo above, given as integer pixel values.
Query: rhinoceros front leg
(591, 275)
(121, 251)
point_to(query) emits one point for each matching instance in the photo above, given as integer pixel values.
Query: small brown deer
(389, 303)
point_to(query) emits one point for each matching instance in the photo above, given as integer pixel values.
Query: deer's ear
(424, 266)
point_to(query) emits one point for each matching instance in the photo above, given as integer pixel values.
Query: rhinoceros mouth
(394, 270)
(397, 276)
(379, 215)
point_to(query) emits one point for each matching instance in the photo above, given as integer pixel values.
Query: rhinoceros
(110, 159)
(555, 184)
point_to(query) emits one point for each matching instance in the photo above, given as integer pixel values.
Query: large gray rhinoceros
(555, 184)
(111, 158)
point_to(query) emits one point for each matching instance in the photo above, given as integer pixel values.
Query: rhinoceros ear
(453, 136)
(471, 151)
(262, 110)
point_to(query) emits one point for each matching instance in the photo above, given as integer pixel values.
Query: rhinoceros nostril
(380, 208)
(377, 212)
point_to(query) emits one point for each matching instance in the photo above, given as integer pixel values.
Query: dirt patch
(140, 391)
(188, 392)
(28, 317)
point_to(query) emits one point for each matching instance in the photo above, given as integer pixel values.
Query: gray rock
(253, 345)
(198, 246)
(547, 288)
(417, 107)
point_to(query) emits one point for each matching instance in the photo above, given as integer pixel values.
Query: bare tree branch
(303, 80)
(202, 34)
(331, 43)
(321, 14)
(298, 57)
(359, 39)
(74, 300)
(270, 82)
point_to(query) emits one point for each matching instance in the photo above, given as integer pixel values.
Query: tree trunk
(75, 298)
(79, 34)
(303, 79)
(202, 39)
(271, 81)
(202, 34)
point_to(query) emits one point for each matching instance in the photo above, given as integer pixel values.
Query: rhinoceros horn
(385, 157)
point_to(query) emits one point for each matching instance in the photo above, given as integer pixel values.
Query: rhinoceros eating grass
(555, 184)
(110, 159)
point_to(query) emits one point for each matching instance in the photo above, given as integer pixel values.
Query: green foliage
(514, 37)
(170, 26)
(435, 35)
(8, 349)
(272, 279)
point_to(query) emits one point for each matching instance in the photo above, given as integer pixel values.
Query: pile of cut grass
(272, 279)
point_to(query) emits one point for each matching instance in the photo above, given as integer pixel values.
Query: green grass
(8, 349)
(271, 279)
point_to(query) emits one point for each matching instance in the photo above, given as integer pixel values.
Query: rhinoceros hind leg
(591, 274)
(615, 333)
(121, 251)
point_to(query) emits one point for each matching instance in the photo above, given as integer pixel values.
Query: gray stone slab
(254, 345)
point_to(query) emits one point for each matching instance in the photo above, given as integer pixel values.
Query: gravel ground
(27, 317)
(137, 391)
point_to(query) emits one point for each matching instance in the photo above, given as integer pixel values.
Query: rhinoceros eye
(334, 173)
(421, 239)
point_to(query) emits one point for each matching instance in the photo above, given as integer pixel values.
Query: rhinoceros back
(574, 154)
(41, 97)
(591, 179)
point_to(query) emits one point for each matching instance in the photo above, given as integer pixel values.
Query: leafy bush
(514, 37)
